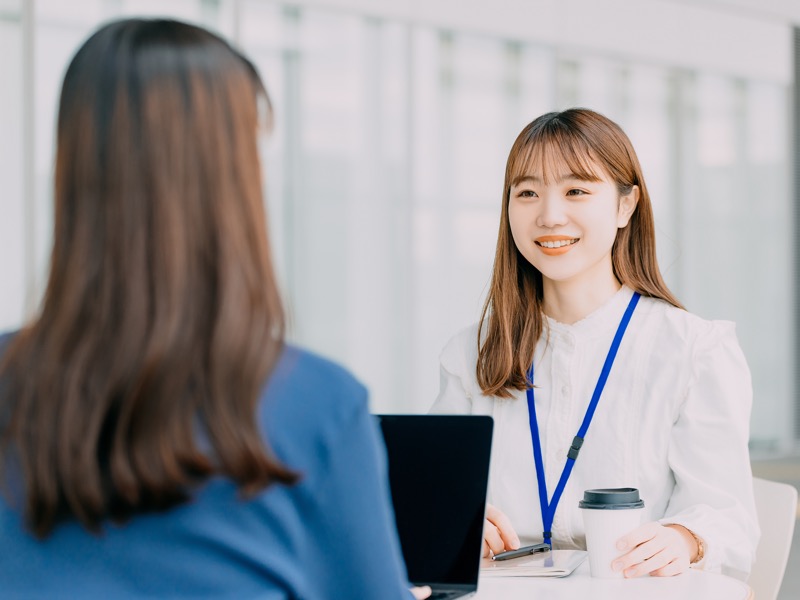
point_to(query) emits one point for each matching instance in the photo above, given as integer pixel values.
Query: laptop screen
(438, 474)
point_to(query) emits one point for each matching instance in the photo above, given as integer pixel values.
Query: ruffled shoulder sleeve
(458, 383)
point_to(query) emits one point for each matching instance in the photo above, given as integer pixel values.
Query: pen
(524, 551)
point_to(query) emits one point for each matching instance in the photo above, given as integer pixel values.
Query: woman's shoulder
(307, 368)
(307, 404)
(305, 379)
(677, 325)
(460, 353)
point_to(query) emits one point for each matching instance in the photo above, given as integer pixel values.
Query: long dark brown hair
(161, 320)
(512, 321)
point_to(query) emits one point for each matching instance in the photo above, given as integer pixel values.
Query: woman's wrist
(701, 548)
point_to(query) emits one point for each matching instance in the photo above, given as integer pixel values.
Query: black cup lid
(611, 499)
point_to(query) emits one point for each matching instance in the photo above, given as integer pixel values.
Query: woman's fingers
(654, 549)
(639, 555)
(654, 563)
(420, 593)
(504, 528)
(676, 567)
(492, 538)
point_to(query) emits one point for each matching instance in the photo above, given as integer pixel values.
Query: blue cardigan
(332, 536)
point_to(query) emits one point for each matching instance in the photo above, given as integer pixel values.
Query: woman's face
(567, 226)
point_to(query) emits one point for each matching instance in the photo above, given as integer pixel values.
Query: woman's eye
(527, 194)
(576, 192)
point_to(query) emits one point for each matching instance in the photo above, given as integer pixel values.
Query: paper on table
(557, 563)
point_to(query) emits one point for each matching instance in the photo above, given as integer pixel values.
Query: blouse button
(565, 390)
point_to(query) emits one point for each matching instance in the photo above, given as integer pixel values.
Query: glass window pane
(737, 237)
(12, 212)
(10, 9)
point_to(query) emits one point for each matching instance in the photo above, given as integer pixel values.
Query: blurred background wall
(393, 121)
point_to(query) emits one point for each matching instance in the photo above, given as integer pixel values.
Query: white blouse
(673, 421)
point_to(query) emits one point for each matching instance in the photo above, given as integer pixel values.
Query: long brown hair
(161, 320)
(512, 321)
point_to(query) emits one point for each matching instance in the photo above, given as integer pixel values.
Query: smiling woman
(577, 299)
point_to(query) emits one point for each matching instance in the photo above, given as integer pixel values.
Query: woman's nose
(552, 213)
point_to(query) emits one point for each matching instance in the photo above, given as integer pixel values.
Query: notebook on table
(438, 475)
(557, 563)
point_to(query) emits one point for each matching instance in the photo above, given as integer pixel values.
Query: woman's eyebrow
(560, 179)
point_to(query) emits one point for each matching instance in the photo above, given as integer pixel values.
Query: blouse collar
(597, 322)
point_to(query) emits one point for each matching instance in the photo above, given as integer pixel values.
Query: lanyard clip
(577, 442)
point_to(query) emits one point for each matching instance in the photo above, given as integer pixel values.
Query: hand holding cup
(660, 550)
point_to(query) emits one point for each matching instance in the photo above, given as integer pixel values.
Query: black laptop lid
(438, 473)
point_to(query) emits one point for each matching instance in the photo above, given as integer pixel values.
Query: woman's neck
(570, 301)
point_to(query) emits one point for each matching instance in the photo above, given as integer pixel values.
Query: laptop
(438, 474)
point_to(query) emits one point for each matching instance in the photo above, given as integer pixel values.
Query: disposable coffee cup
(608, 515)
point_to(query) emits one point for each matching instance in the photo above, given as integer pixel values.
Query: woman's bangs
(551, 155)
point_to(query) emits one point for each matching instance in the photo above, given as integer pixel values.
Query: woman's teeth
(557, 244)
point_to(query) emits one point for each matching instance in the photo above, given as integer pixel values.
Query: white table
(580, 584)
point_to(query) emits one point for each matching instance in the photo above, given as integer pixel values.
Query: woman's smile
(554, 245)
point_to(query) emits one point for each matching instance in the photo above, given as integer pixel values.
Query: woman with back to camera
(576, 268)
(159, 438)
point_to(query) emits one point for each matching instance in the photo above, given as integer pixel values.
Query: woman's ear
(627, 206)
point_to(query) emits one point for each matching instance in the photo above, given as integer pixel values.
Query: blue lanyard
(549, 509)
